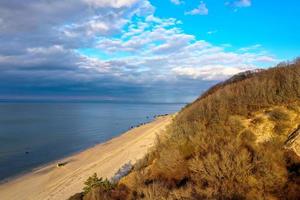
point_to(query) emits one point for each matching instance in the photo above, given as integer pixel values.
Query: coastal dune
(57, 183)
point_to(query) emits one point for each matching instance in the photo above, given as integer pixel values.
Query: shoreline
(51, 182)
(18, 175)
(23, 173)
(53, 162)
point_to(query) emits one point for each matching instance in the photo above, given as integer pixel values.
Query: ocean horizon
(35, 133)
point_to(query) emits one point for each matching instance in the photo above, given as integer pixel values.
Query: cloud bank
(108, 49)
(200, 10)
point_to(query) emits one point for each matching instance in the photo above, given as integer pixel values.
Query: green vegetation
(209, 151)
(94, 181)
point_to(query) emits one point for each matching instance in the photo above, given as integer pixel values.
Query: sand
(59, 183)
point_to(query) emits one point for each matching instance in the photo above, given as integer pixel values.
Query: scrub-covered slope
(239, 140)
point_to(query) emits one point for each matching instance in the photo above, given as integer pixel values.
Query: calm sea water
(32, 134)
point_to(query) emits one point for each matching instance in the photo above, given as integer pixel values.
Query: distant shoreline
(132, 144)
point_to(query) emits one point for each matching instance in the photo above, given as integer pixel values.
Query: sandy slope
(51, 182)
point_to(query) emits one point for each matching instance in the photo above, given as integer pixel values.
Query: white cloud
(242, 3)
(250, 48)
(173, 44)
(212, 32)
(111, 3)
(239, 3)
(200, 10)
(81, 16)
(177, 2)
(152, 32)
(214, 72)
(159, 50)
(266, 59)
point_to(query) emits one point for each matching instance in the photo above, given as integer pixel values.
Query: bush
(278, 115)
(257, 121)
(248, 135)
(93, 181)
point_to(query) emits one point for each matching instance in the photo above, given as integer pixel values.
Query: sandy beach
(58, 183)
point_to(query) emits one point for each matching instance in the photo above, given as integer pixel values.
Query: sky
(138, 50)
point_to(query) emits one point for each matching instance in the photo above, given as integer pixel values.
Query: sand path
(59, 183)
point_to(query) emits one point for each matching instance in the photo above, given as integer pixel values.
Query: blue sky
(138, 50)
(272, 24)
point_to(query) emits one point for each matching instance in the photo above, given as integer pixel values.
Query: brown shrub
(281, 129)
(154, 191)
(248, 135)
(236, 170)
(257, 121)
(170, 165)
(278, 114)
(291, 190)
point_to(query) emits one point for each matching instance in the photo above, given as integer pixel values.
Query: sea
(33, 134)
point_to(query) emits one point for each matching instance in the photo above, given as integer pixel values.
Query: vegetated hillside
(234, 142)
